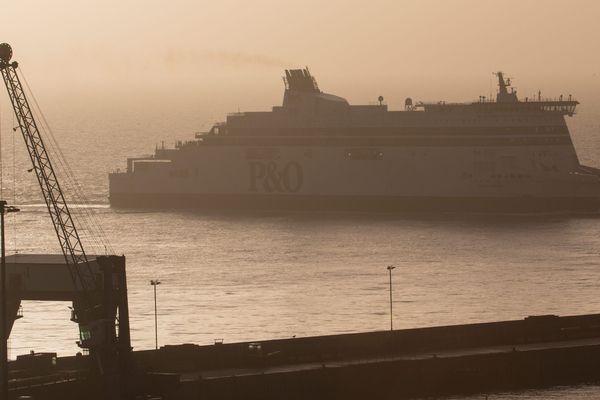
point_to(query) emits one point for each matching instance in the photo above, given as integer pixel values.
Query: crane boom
(62, 220)
(101, 297)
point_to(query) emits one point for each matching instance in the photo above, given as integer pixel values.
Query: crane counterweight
(5, 53)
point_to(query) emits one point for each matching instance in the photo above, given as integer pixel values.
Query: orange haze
(224, 55)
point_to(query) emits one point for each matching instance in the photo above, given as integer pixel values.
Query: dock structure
(47, 277)
(537, 351)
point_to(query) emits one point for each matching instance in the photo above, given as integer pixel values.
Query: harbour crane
(92, 311)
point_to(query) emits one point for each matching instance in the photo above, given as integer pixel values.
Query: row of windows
(397, 131)
(510, 176)
(467, 175)
(364, 154)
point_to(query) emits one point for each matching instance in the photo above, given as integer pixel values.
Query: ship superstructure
(316, 151)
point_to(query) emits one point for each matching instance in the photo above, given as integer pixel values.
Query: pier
(537, 351)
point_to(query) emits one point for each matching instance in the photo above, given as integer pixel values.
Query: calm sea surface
(257, 276)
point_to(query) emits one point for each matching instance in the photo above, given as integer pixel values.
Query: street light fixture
(155, 283)
(390, 268)
(3, 289)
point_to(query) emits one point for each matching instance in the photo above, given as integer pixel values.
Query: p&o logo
(270, 177)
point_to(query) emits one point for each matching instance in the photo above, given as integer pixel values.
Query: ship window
(364, 154)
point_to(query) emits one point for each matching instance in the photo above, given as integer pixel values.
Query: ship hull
(372, 204)
(383, 179)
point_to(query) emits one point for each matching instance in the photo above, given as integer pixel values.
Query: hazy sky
(232, 53)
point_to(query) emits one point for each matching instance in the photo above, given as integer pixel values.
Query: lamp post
(155, 283)
(3, 300)
(390, 268)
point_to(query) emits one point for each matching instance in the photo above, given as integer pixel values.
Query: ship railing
(536, 99)
(566, 107)
(485, 100)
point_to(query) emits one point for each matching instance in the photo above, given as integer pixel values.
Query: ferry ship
(318, 152)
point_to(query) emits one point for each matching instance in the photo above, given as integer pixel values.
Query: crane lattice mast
(68, 237)
(99, 298)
